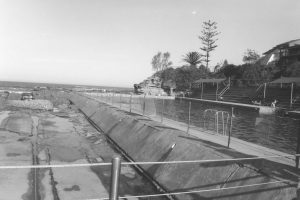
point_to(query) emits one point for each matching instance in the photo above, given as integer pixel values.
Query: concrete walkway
(235, 143)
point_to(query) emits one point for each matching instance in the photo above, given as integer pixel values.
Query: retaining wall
(145, 140)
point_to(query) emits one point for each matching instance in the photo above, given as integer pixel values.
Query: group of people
(258, 102)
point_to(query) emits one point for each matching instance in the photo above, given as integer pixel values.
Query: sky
(112, 42)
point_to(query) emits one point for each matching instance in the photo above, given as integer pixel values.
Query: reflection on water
(274, 131)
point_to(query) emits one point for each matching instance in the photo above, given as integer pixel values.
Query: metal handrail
(116, 166)
(259, 87)
(224, 90)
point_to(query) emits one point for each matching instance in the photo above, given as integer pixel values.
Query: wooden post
(120, 100)
(292, 88)
(188, 128)
(230, 128)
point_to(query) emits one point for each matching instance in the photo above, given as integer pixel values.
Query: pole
(223, 127)
(298, 190)
(115, 177)
(188, 128)
(163, 110)
(230, 128)
(292, 88)
(120, 100)
(201, 89)
(265, 88)
(217, 114)
(130, 103)
(144, 104)
(217, 91)
(298, 147)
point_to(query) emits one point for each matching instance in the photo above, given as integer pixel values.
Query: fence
(116, 168)
(271, 131)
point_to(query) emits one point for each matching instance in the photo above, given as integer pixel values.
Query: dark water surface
(274, 131)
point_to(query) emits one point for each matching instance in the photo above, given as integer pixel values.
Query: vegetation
(250, 56)
(255, 69)
(293, 69)
(208, 39)
(161, 61)
(192, 58)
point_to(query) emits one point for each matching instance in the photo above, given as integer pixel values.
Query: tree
(193, 58)
(156, 64)
(208, 39)
(220, 65)
(165, 61)
(250, 56)
(293, 69)
(252, 73)
(161, 61)
(168, 74)
(229, 70)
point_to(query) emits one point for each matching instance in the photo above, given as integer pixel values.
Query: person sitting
(273, 104)
(257, 102)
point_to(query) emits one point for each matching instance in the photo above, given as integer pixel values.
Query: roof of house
(284, 45)
(287, 80)
(213, 80)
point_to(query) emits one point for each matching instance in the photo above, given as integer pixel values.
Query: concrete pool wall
(145, 140)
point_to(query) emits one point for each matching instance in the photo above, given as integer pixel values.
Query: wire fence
(269, 130)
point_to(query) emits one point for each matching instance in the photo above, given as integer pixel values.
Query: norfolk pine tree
(208, 39)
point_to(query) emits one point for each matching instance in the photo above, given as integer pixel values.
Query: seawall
(145, 140)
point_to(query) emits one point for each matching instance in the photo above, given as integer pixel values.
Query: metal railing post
(298, 147)
(218, 122)
(120, 100)
(298, 190)
(230, 128)
(223, 127)
(144, 104)
(217, 91)
(265, 87)
(188, 128)
(130, 103)
(201, 90)
(163, 110)
(291, 100)
(113, 98)
(115, 178)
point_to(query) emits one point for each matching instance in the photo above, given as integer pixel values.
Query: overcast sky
(110, 42)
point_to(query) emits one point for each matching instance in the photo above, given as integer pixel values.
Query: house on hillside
(285, 53)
